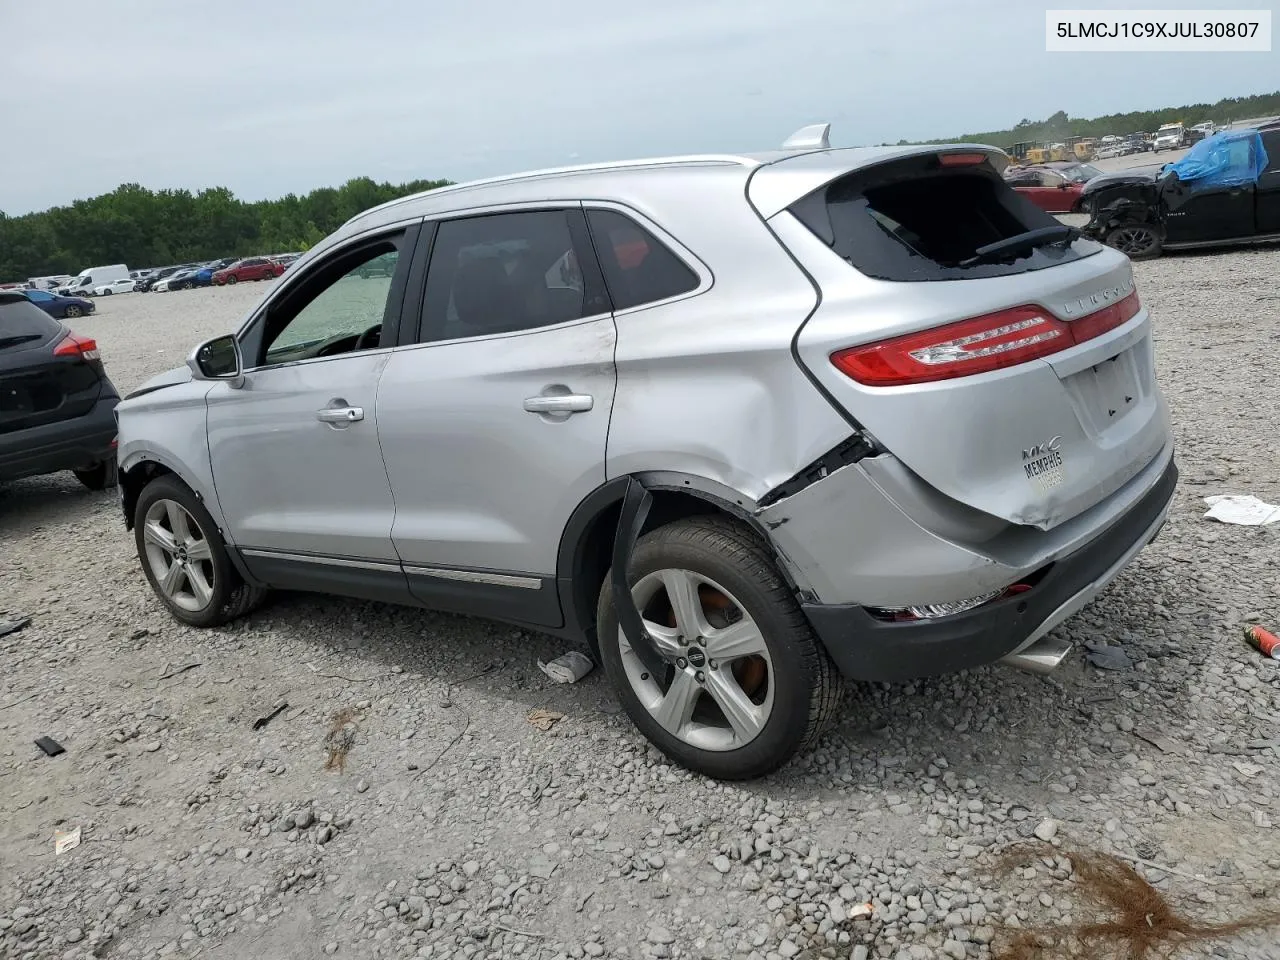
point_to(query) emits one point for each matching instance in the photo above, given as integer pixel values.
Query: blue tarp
(1226, 159)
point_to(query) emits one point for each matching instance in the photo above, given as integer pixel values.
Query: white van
(82, 285)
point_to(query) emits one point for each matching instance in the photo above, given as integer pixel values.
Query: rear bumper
(867, 648)
(64, 445)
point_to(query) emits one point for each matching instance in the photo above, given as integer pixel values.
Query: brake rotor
(752, 672)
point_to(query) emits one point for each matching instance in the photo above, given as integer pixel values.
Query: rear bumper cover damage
(867, 648)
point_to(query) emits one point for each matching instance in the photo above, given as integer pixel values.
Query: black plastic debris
(50, 746)
(1105, 657)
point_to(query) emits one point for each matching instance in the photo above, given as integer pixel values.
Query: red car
(1053, 187)
(253, 268)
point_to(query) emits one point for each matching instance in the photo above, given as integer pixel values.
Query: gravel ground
(458, 829)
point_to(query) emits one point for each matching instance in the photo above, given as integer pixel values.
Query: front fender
(169, 427)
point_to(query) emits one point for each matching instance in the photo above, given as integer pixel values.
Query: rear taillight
(978, 345)
(72, 346)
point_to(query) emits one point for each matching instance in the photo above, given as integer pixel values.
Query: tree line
(1060, 126)
(147, 228)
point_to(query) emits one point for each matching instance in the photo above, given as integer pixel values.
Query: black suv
(57, 406)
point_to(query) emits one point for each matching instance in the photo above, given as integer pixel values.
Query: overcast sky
(252, 96)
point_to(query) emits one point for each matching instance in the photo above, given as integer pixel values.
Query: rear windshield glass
(22, 323)
(912, 220)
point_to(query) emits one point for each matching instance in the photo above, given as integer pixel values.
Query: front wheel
(185, 285)
(231, 279)
(185, 559)
(744, 683)
(1137, 241)
(106, 293)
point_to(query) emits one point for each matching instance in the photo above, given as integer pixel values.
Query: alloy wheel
(717, 689)
(179, 555)
(1134, 240)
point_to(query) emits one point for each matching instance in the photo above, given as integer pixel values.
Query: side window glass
(637, 267)
(337, 308)
(1271, 144)
(500, 274)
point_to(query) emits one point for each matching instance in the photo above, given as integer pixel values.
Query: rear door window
(914, 220)
(638, 268)
(508, 272)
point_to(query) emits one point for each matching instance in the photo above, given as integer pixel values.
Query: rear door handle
(560, 403)
(340, 414)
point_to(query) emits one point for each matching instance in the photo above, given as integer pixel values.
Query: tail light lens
(72, 346)
(978, 345)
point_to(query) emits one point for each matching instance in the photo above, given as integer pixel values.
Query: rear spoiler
(776, 185)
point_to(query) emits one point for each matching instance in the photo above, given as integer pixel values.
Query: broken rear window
(914, 220)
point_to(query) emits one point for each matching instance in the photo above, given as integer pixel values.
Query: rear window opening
(916, 219)
(23, 324)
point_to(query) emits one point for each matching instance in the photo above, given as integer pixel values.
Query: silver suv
(744, 424)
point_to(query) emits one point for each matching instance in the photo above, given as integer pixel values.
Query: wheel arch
(586, 545)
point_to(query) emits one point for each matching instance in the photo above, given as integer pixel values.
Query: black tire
(73, 311)
(185, 285)
(231, 279)
(230, 597)
(1137, 241)
(106, 293)
(99, 476)
(806, 685)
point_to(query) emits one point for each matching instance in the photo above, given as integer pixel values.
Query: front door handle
(560, 403)
(340, 413)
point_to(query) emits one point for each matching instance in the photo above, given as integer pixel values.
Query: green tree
(145, 228)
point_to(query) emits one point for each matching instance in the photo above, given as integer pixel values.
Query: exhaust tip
(1042, 657)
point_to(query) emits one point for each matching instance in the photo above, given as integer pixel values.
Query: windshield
(1080, 172)
(1169, 128)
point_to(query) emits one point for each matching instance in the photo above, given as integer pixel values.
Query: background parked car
(181, 280)
(59, 407)
(1053, 187)
(206, 272)
(252, 268)
(155, 276)
(115, 286)
(63, 308)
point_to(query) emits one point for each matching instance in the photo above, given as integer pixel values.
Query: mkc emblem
(1042, 449)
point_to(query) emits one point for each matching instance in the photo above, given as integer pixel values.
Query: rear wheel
(1138, 241)
(74, 311)
(99, 476)
(185, 559)
(744, 684)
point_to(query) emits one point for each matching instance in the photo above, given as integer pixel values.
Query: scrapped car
(253, 268)
(62, 308)
(743, 423)
(1224, 192)
(56, 402)
(1054, 187)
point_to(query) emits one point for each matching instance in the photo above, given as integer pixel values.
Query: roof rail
(816, 136)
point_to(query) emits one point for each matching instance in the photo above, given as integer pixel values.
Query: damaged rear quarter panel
(707, 384)
(852, 544)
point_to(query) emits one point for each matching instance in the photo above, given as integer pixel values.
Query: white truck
(1171, 136)
(48, 283)
(83, 285)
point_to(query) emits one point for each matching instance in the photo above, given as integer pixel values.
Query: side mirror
(1063, 185)
(218, 359)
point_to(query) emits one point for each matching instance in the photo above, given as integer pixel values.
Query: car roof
(799, 170)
